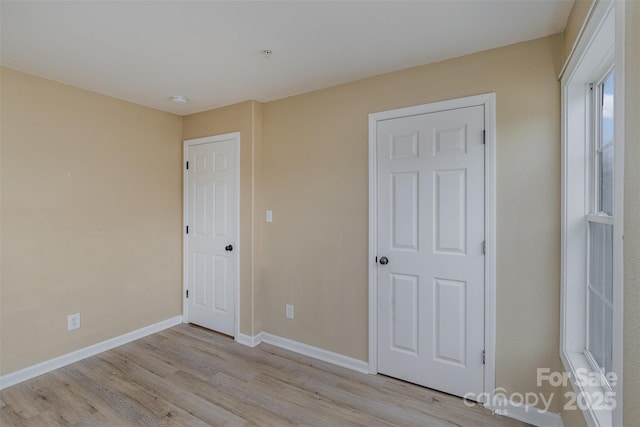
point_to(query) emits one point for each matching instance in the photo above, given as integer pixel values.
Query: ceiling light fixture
(179, 99)
(267, 53)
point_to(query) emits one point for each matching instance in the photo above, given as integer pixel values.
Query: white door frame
(185, 242)
(489, 102)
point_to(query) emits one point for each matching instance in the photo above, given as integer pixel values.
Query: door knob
(228, 248)
(384, 260)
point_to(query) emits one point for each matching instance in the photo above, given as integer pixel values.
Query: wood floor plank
(445, 405)
(376, 408)
(189, 376)
(233, 403)
(185, 399)
(77, 385)
(18, 403)
(57, 395)
(125, 377)
(204, 363)
(115, 379)
(135, 353)
(9, 416)
(125, 409)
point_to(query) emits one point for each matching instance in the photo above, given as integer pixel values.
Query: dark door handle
(228, 248)
(384, 260)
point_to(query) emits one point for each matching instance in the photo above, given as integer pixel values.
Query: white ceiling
(211, 51)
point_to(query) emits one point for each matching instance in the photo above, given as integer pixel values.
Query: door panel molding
(235, 137)
(446, 142)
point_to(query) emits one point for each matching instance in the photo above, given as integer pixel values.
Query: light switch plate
(269, 216)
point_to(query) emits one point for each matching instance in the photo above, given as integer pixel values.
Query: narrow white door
(430, 249)
(211, 220)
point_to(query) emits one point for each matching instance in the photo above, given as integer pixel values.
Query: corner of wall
(257, 208)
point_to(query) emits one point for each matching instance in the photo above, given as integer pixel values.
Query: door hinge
(187, 165)
(484, 137)
(187, 293)
(484, 247)
(483, 357)
(187, 229)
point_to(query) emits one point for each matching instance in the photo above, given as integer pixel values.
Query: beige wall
(632, 217)
(91, 218)
(315, 180)
(245, 118)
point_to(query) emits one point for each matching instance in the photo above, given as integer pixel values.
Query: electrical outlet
(73, 321)
(289, 311)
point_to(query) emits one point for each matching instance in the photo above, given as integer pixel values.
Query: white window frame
(600, 46)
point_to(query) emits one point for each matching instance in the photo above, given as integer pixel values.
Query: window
(600, 229)
(592, 207)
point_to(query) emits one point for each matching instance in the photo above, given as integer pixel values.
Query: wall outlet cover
(73, 321)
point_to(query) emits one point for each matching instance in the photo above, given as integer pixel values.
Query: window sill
(590, 398)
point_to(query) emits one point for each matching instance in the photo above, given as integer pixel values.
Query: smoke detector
(179, 99)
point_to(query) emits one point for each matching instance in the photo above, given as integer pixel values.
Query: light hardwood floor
(190, 376)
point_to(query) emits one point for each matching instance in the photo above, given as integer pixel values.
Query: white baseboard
(306, 350)
(525, 413)
(248, 340)
(66, 359)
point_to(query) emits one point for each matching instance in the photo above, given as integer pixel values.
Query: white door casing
(211, 239)
(431, 216)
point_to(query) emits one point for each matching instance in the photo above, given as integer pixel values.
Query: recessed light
(179, 99)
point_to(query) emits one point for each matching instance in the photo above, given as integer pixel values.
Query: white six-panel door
(211, 239)
(430, 192)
